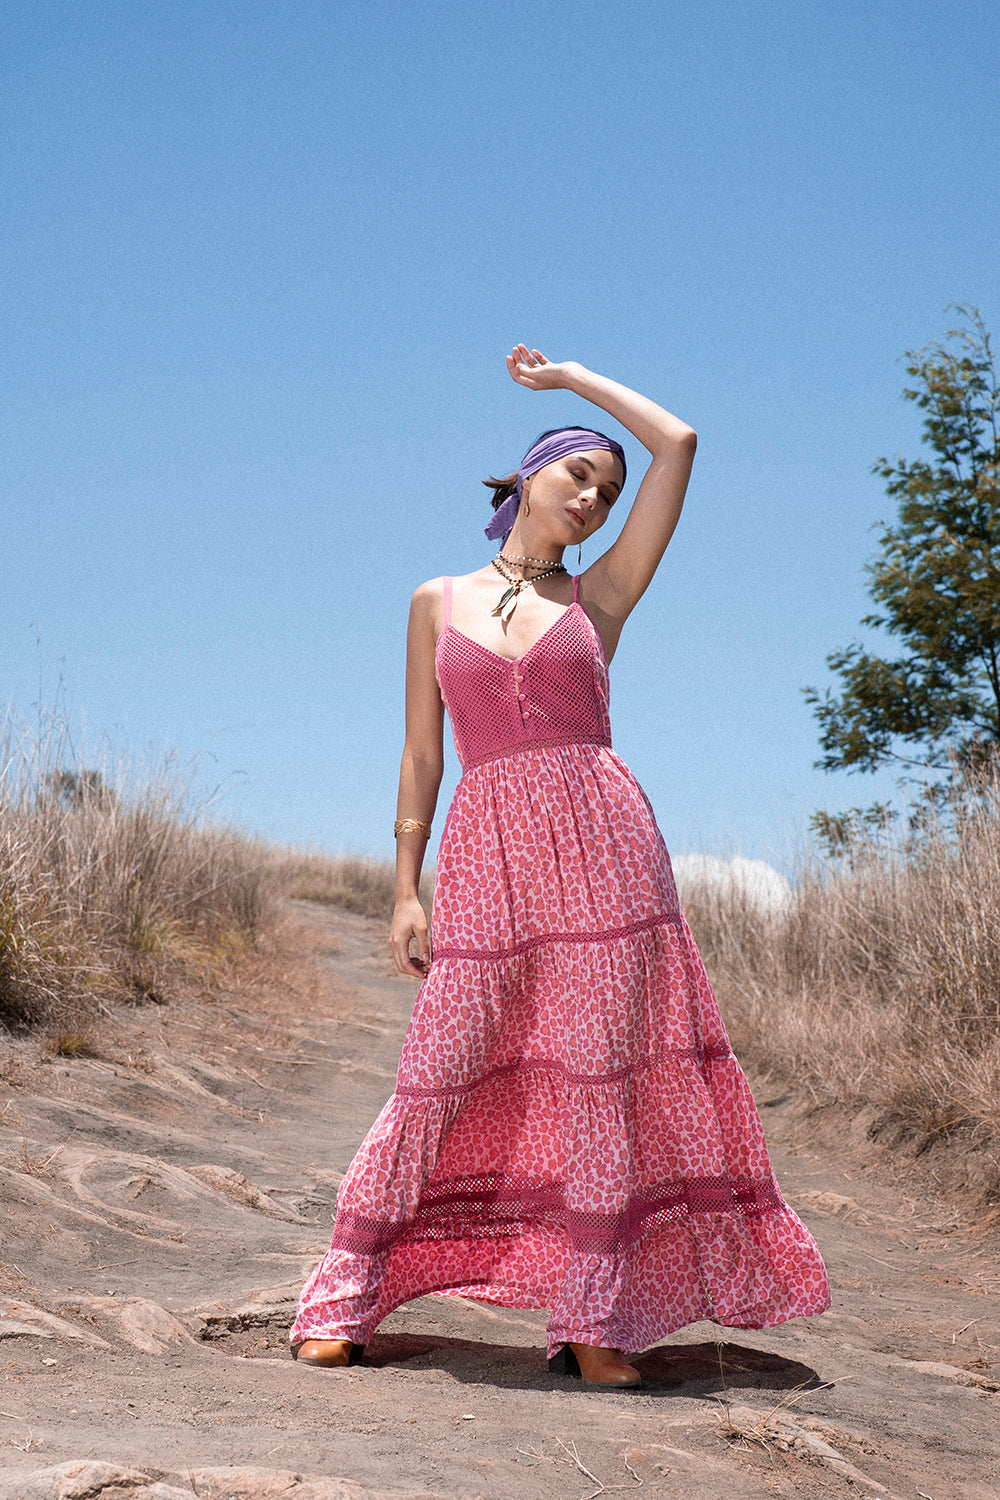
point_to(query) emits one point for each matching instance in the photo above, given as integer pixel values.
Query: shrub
(879, 983)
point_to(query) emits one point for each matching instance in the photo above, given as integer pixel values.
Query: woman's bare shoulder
(427, 609)
(428, 593)
(428, 597)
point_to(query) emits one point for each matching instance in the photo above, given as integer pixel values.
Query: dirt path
(156, 1226)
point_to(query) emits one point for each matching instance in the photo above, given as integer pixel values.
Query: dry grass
(114, 887)
(879, 984)
(365, 886)
(110, 887)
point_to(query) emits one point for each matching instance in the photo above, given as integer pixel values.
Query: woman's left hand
(530, 367)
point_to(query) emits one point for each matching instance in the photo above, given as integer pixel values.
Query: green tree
(935, 581)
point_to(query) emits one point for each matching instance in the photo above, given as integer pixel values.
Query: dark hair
(504, 488)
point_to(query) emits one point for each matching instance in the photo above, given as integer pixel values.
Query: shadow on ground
(694, 1369)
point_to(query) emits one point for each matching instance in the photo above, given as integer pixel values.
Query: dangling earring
(579, 554)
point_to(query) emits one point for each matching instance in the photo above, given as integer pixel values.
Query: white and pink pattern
(570, 1129)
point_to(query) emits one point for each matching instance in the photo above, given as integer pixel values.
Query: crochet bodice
(555, 694)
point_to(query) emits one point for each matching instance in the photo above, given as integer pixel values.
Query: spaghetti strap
(447, 602)
(576, 587)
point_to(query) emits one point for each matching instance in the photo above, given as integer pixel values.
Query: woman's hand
(530, 367)
(409, 922)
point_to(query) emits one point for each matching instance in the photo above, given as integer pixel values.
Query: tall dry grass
(110, 885)
(365, 886)
(879, 982)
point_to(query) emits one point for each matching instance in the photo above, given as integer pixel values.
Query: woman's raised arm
(619, 578)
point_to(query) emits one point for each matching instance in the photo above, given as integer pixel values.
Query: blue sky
(263, 263)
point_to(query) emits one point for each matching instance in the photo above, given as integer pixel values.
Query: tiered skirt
(570, 1129)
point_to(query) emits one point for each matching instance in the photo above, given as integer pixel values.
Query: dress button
(521, 696)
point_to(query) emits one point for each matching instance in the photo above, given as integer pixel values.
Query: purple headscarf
(546, 451)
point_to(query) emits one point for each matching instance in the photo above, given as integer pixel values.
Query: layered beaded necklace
(509, 595)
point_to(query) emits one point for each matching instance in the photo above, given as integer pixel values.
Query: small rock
(952, 1372)
(83, 1479)
(144, 1325)
(239, 1189)
(148, 1326)
(43, 1324)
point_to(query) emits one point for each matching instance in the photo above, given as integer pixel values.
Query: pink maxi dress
(570, 1129)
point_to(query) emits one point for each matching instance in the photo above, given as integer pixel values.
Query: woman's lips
(575, 515)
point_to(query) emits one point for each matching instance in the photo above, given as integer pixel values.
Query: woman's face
(575, 493)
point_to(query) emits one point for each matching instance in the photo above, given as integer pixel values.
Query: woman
(570, 1129)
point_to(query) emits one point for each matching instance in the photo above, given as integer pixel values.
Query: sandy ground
(157, 1222)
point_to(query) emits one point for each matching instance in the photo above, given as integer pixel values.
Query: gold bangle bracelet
(411, 825)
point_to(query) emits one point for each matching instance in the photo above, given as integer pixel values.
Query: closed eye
(608, 495)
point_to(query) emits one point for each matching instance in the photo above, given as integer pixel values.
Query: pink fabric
(570, 1129)
(555, 694)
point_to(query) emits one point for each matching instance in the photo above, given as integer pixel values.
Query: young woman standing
(570, 1129)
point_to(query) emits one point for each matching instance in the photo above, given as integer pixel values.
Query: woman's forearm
(419, 782)
(410, 849)
(657, 429)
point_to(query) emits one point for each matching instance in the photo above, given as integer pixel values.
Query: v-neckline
(513, 660)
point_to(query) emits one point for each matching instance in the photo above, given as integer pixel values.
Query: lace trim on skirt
(498, 1206)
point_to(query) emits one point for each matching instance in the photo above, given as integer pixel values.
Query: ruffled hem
(745, 1273)
(628, 1204)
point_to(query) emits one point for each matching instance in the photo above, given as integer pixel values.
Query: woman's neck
(521, 544)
